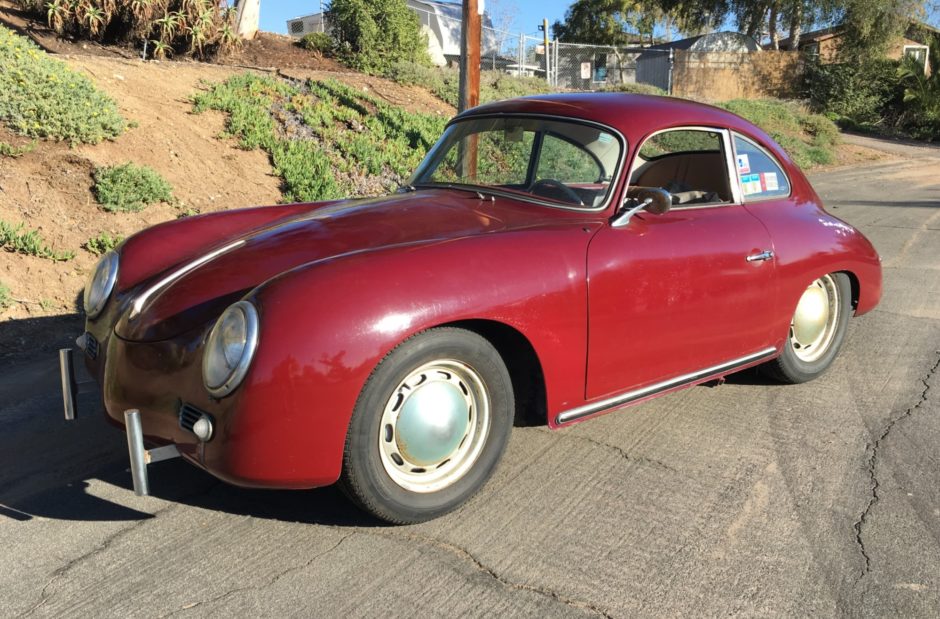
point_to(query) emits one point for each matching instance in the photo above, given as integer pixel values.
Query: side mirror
(650, 199)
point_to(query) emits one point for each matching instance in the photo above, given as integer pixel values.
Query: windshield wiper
(481, 193)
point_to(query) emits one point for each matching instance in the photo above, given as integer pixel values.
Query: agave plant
(161, 50)
(197, 38)
(228, 39)
(168, 25)
(94, 20)
(57, 13)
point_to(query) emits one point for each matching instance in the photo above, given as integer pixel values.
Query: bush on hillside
(445, 83)
(43, 98)
(319, 42)
(921, 115)
(808, 138)
(635, 89)
(864, 94)
(372, 35)
(129, 188)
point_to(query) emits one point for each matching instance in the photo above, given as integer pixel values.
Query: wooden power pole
(469, 94)
(469, 56)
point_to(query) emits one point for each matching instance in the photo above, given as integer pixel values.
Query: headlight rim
(238, 373)
(112, 261)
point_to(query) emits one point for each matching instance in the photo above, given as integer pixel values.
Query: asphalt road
(744, 499)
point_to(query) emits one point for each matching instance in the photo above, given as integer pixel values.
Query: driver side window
(691, 164)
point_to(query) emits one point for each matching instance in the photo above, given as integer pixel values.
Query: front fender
(325, 327)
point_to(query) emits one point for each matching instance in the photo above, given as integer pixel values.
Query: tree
(372, 35)
(607, 22)
(871, 25)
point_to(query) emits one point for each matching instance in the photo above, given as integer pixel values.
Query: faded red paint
(338, 285)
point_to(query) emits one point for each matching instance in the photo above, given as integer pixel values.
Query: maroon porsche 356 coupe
(560, 255)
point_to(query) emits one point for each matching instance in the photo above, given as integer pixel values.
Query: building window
(918, 53)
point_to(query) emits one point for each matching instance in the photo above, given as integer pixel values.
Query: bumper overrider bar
(140, 457)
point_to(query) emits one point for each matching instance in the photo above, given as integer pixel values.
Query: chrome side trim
(141, 300)
(636, 394)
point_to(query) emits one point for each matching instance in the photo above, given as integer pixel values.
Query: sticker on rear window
(744, 165)
(769, 181)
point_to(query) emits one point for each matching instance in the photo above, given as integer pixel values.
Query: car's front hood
(193, 292)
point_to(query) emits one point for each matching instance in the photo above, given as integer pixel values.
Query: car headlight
(230, 348)
(100, 285)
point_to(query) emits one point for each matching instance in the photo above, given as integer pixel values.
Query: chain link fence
(564, 66)
(593, 67)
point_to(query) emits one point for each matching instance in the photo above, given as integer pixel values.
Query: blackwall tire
(429, 427)
(809, 352)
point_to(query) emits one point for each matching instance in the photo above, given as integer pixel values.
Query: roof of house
(714, 42)
(836, 30)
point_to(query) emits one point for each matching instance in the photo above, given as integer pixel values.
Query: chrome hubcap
(814, 323)
(434, 426)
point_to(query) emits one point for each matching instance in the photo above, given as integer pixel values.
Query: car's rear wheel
(429, 427)
(817, 330)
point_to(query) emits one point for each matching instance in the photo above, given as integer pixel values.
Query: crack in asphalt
(109, 541)
(465, 555)
(60, 571)
(874, 449)
(270, 583)
(622, 452)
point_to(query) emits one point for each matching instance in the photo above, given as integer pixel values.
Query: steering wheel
(551, 183)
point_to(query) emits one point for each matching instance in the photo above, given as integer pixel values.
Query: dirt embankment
(49, 189)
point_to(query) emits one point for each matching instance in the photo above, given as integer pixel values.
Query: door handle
(764, 255)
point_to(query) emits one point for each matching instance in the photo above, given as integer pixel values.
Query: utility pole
(545, 36)
(469, 94)
(470, 56)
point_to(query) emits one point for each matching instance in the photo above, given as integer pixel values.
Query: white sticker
(770, 181)
(744, 165)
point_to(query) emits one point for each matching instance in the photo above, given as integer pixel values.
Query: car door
(674, 295)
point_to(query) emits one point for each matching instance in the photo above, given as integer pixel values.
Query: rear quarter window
(760, 175)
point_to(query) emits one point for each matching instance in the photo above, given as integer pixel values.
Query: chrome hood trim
(138, 305)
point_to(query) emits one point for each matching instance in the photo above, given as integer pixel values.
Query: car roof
(628, 113)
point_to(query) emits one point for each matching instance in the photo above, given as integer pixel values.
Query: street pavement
(748, 498)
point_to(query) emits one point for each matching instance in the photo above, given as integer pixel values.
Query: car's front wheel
(817, 330)
(429, 427)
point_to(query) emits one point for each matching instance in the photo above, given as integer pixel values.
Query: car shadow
(58, 469)
(62, 470)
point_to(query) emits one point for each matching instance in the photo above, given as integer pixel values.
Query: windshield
(556, 161)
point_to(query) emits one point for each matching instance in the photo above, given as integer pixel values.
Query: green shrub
(326, 140)
(102, 243)
(921, 115)
(28, 242)
(5, 299)
(636, 89)
(864, 94)
(130, 188)
(319, 42)
(808, 138)
(43, 98)
(445, 83)
(8, 150)
(372, 35)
